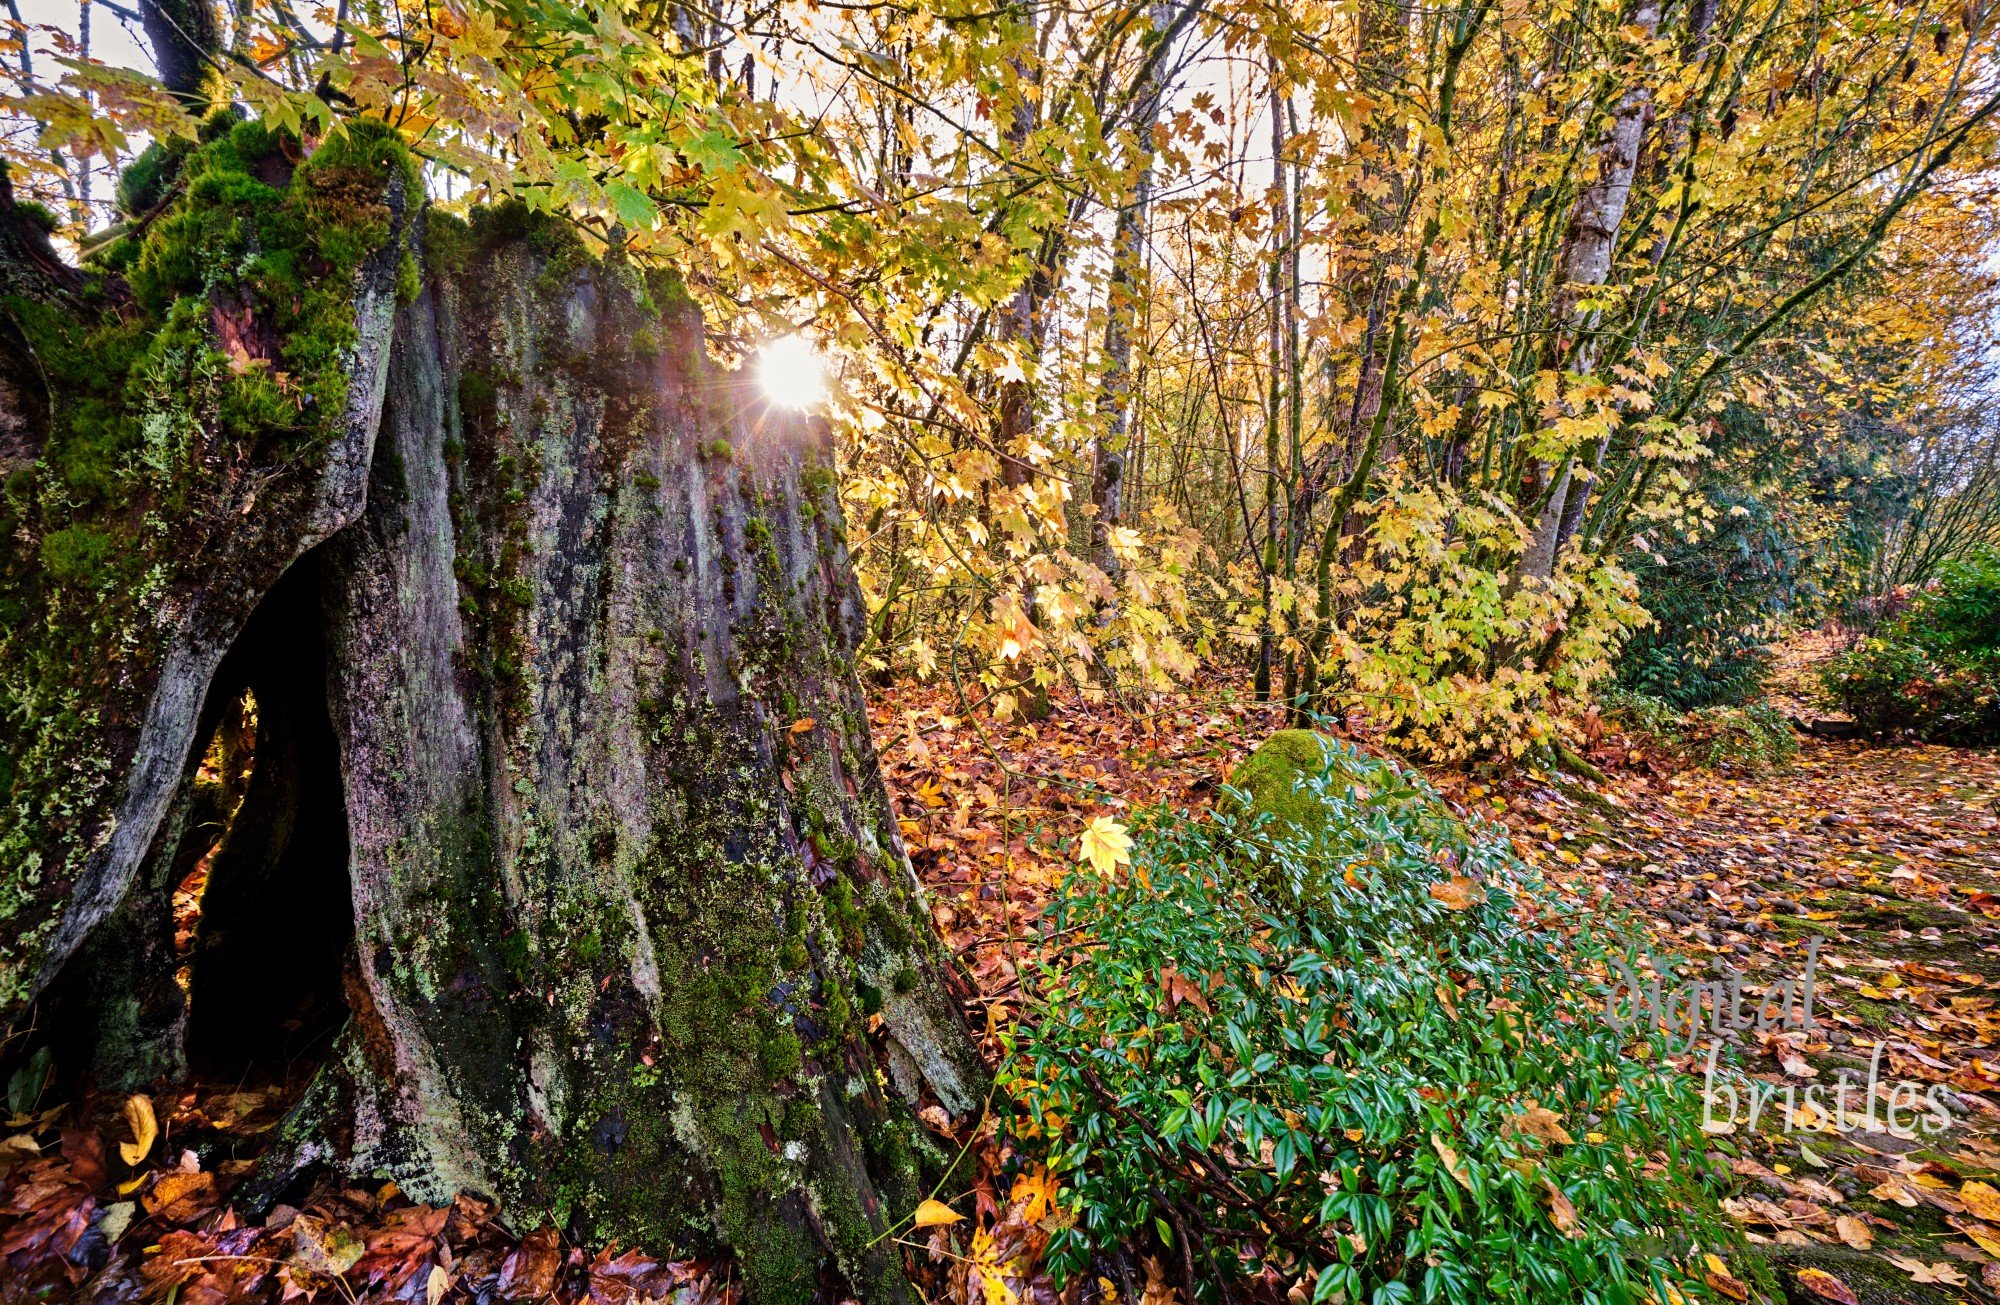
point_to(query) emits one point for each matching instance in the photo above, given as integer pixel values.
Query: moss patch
(209, 355)
(1271, 776)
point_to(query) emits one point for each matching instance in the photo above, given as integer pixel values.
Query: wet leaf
(181, 1197)
(1982, 1200)
(145, 1129)
(331, 1249)
(1827, 1287)
(529, 1272)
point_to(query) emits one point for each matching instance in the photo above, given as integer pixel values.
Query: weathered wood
(626, 889)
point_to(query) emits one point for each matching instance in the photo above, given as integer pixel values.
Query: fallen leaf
(1180, 990)
(331, 1249)
(180, 1197)
(1106, 845)
(1982, 1200)
(1458, 893)
(1921, 1272)
(1450, 1159)
(145, 1128)
(1718, 1277)
(529, 1271)
(1038, 1189)
(1561, 1213)
(436, 1285)
(803, 724)
(932, 1213)
(1827, 1287)
(1987, 1236)
(1537, 1121)
(117, 1218)
(1893, 1190)
(1854, 1232)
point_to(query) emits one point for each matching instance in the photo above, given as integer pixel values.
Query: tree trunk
(564, 803)
(1585, 263)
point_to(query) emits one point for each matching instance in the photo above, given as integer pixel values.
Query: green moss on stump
(227, 362)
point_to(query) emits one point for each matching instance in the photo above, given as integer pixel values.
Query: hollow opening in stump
(264, 917)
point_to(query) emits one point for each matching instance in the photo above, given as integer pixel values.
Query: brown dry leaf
(181, 1197)
(1921, 1272)
(1561, 1213)
(1450, 1159)
(1458, 893)
(1854, 1232)
(1180, 990)
(1718, 1277)
(331, 1249)
(529, 1273)
(1827, 1287)
(1982, 1200)
(932, 1213)
(145, 1128)
(1537, 1121)
(1158, 1290)
(1893, 1190)
(1990, 1275)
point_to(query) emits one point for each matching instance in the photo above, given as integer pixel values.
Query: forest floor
(1888, 856)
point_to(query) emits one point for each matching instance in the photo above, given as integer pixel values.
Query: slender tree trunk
(1586, 262)
(564, 811)
(1109, 464)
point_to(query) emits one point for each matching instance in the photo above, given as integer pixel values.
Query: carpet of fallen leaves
(1889, 855)
(72, 1230)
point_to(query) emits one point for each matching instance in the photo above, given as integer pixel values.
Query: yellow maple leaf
(1106, 845)
(1038, 1189)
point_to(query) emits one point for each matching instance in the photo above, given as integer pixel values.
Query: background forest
(1486, 380)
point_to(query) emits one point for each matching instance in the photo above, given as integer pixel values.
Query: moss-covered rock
(1269, 780)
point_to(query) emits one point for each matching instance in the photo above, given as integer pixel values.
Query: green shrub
(1962, 612)
(1933, 671)
(1756, 737)
(1714, 599)
(1894, 685)
(1327, 1068)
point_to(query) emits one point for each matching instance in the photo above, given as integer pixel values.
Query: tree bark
(1586, 262)
(555, 636)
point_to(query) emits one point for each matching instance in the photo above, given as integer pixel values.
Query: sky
(111, 39)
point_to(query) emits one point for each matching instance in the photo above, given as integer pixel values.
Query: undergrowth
(1355, 1051)
(1755, 738)
(1934, 671)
